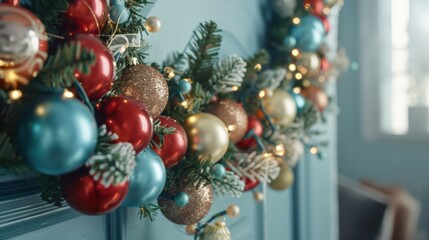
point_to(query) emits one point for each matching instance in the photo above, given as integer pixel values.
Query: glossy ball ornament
(181, 199)
(200, 201)
(23, 46)
(147, 85)
(91, 197)
(249, 184)
(56, 135)
(299, 101)
(207, 136)
(232, 115)
(153, 24)
(258, 196)
(233, 210)
(191, 229)
(119, 13)
(289, 42)
(255, 125)
(185, 86)
(147, 181)
(315, 6)
(310, 61)
(100, 79)
(175, 144)
(128, 119)
(219, 171)
(317, 96)
(85, 16)
(216, 231)
(280, 107)
(285, 178)
(309, 33)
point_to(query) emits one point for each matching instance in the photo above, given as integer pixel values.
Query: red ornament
(317, 96)
(315, 6)
(100, 79)
(324, 64)
(86, 16)
(175, 145)
(90, 197)
(128, 119)
(249, 184)
(325, 22)
(23, 46)
(255, 125)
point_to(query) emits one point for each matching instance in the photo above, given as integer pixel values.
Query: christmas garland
(123, 132)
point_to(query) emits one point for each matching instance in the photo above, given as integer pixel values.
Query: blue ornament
(184, 86)
(147, 180)
(299, 101)
(181, 199)
(309, 33)
(56, 135)
(289, 42)
(119, 13)
(219, 170)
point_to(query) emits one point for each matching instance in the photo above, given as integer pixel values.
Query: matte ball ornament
(85, 16)
(56, 135)
(91, 197)
(280, 107)
(23, 46)
(153, 24)
(289, 42)
(299, 101)
(232, 115)
(255, 125)
(310, 61)
(309, 33)
(119, 13)
(100, 79)
(128, 119)
(317, 96)
(258, 196)
(147, 181)
(207, 136)
(200, 201)
(285, 178)
(147, 85)
(175, 144)
(233, 210)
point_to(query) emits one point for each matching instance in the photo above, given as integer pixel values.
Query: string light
(322, 79)
(170, 72)
(297, 90)
(296, 20)
(262, 94)
(258, 67)
(235, 88)
(306, 83)
(15, 95)
(303, 70)
(184, 104)
(314, 150)
(307, 7)
(295, 52)
(298, 76)
(289, 75)
(279, 150)
(292, 67)
(232, 128)
(326, 11)
(68, 94)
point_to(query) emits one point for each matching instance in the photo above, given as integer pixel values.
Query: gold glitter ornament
(216, 231)
(200, 201)
(309, 64)
(232, 115)
(153, 24)
(207, 136)
(147, 85)
(280, 107)
(285, 178)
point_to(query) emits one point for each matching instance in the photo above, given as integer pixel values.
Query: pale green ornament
(216, 231)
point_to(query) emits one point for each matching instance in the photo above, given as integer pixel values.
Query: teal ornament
(147, 181)
(289, 42)
(181, 199)
(184, 86)
(299, 101)
(119, 14)
(309, 34)
(219, 171)
(56, 135)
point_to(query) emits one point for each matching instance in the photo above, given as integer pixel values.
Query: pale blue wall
(403, 163)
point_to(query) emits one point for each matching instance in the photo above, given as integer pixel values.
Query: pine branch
(228, 74)
(262, 167)
(261, 58)
(310, 115)
(229, 184)
(199, 98)
(136, 21)
(112, 163)
(60, 68)
(9, 160)
(177, 61)
(271, 78)
(160, 131)
(149, 210)
(49, 12)
(197, 172)
(203, 51)
(51, 189)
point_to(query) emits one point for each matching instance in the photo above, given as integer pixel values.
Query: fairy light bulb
(258, 67)
(298, 76)
(292, 67)
(297, 90)
(295, 52)
(279, 150)
(68, 94)
(296, 20)
(314, 150)
(15, 95)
